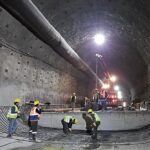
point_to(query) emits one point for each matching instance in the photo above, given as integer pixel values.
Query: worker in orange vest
(34, 116)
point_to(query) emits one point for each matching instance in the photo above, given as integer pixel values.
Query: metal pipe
(30, 16)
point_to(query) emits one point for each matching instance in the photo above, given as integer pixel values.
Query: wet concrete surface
(54, 139)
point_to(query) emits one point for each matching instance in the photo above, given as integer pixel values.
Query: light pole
(99, 40)
(96, 71)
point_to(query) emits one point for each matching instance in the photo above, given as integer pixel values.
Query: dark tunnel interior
(49, 74)
(56, 85)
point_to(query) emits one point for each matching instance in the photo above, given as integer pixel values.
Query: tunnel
(48, 52)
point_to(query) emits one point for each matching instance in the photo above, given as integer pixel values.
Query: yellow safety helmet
(75, 121)
(17, 100)
(36, 102)
(90, 110)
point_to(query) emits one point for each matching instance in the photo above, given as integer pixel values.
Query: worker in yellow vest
(34, 116)
(67, 123)
(90, 122)
(12, 116)
(96, 122)
(73, 101)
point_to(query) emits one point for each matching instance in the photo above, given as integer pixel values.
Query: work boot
(90, 132)
(34, 137)
(94, 137)
(30, 136)
(9, 135)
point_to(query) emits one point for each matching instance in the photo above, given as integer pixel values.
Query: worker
(12, 116)
(96, 122)
(73, 101)
(67, 123)
(86, 101)
(34, 116)
(96, 95)
(89, 120)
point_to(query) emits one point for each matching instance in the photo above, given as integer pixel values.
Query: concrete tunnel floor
(54, 139)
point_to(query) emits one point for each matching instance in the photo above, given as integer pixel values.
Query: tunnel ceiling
(125, 24)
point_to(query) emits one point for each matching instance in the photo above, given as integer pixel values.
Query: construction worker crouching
(67, 123)
(33, 120)
(12, 116)
(90, 122)
(96, 122)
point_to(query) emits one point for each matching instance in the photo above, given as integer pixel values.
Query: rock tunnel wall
(30, 69)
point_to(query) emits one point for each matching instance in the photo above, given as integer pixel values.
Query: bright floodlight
(124, 104)
(119, 95)
(113, 78)
(116, 87)
(99, 39)
(106, 86)
(98, 55)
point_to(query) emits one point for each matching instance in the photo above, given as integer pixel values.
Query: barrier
(110, 121)
(21, 127)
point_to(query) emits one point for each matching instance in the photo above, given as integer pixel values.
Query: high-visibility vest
(73, 99)
(34, 116)
(67, 118)
(13, 115)
(97, 118)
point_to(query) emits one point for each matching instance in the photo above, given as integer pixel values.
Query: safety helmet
(90, 110)
(75, 121)
(85, 98)
(17, 100)
(36, 102)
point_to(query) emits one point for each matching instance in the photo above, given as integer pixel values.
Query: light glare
(113, 78)
(119, 95)
(116, 87)
(99, 39)
(98, 55)
(124, 104)
(105, 86)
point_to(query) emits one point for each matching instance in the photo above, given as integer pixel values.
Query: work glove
(70, 129)
(94, 124)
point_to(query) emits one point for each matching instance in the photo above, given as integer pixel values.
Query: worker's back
(88, 119)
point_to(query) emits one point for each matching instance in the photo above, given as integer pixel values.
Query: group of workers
(97, 102)
(33, 118)
(91, 118)
(92, 121)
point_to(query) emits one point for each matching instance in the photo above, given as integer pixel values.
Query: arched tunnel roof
(125, 25)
